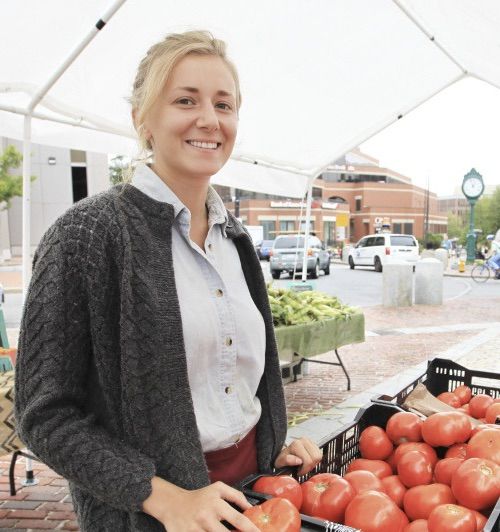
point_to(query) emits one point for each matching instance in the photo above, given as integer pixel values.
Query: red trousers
(233, 464)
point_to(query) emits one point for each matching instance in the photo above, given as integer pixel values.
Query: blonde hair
(156, 67)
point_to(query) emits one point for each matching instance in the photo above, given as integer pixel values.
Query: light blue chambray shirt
(224, 333)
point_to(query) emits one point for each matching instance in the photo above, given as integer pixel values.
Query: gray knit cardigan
(102, 393)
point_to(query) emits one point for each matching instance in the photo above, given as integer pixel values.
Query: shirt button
(219, 292)
(228, 389)
(229, 341)
(210, 246)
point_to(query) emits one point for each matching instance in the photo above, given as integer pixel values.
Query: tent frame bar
(28, 115)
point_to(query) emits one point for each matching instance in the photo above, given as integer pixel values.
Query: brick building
(351, 199)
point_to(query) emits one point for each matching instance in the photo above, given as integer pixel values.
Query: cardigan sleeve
(51, 375)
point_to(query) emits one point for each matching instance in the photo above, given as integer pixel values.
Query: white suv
(377, 250)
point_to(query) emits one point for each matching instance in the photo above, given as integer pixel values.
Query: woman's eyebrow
(194, 90)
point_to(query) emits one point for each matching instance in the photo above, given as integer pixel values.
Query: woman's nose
(207, 118)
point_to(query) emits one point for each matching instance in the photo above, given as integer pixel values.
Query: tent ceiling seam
(431, 36)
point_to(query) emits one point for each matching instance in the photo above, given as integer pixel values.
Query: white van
(377, 250)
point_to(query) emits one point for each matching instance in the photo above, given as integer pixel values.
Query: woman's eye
(223, 105)
(185, 101)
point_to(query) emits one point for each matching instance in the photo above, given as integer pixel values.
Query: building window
(408, 229)
(329, 236)
(397, 228)
(79, 182)
(358, 204)
(303, 226)
(287, 226)
(269, 228)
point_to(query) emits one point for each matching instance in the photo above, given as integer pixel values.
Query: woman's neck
(194, 196)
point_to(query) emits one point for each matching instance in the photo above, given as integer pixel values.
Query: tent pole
(306, 229)
(37, 97)
(26, 203)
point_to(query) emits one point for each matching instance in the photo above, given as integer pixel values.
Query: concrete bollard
(442, 255)
(397, 284)
(429, 282)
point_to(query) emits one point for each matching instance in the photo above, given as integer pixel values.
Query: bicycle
(482, 271)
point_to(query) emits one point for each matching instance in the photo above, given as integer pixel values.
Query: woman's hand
(180, 510)
(302, 452)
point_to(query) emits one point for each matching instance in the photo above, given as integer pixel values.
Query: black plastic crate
(342, 447)
(444, 375)
(339, 450)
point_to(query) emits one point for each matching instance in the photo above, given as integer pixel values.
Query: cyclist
(494, 260)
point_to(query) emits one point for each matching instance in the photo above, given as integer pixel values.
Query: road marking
(468, 288)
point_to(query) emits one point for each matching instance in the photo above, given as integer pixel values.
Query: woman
(148, 374)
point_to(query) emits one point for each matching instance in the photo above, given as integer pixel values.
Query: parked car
(382, 248)
(263, 249)
(288, 252)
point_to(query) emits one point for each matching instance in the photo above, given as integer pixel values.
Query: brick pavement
(47, 506)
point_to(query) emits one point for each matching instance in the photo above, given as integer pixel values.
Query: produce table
(317, 337)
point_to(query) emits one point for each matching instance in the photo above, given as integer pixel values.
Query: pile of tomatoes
(400, 484)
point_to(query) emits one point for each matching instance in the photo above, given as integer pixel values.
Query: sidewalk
(399, 341)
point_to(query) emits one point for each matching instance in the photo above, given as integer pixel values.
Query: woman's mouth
(204, 144)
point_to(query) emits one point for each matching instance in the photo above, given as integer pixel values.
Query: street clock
(472, 185)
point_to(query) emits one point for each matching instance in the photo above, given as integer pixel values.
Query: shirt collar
(148, 182)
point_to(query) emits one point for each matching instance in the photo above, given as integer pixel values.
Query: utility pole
(426, 214)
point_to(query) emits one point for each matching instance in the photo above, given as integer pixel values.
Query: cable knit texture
(102, 393)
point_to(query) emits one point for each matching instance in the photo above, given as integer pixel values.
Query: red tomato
(451, 517)
(379, 468)
(446, 428)
(481, 520)
(479, 404)
(416, 446)
(464, 393)
(478, 428)
(363, 481)
(374, 443)
(372, 511)
(326, 495)
(275, 515)
(280, 486)
(457, 450)
(485, 444)
(394, 488)
(492, 412)
(392, 462)
(476, 483)
(449, 398)
(420, 525)
(421, 500)
(445, 468)
(465, 408)
(404, 427)
(414, 469)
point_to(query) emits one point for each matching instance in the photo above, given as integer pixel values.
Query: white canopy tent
(319, 77)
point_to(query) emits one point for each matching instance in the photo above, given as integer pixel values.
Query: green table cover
(319, 337)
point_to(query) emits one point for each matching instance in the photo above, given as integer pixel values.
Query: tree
(457, 228)
(487, 214)
(117, 168)
(10, 185)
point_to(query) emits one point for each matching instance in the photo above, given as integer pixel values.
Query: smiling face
(192, 126)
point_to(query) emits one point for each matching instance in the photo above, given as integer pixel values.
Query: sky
(444, 138)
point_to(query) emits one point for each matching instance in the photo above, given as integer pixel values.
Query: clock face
(473, 187)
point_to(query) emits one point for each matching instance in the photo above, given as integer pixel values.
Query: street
(362, 287)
